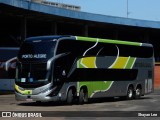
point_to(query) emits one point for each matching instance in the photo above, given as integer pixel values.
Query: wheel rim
(130, 93)
(138, 92)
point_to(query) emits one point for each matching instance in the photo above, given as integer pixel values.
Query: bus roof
(113, 41)
(89, 39)
(46, 37)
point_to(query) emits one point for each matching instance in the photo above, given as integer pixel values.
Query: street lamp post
(127, 9)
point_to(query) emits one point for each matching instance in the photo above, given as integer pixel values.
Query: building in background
(24, 18)
(60, 5)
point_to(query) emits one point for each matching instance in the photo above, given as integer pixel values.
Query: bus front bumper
(38, 97)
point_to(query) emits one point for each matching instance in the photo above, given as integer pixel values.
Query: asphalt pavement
(147, 107)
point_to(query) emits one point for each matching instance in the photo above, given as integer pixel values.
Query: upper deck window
(37, 50)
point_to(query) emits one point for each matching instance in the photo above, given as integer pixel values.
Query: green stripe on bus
(130, 63)
(108, 41)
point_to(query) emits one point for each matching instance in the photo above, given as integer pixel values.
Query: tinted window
(136, 51)
(36, 51)
(78, 48)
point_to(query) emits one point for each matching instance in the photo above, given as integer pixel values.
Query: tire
(138, 93)
(130, 93)
(83, 96)
(69, 97)
(38, 102)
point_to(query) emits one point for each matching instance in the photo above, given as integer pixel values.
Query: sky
(137, 9)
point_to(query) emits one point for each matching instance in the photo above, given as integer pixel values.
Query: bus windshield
(31, 68)
(37, 50)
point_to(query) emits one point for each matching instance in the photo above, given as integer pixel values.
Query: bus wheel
(83, 96)
(130, 93)
(138, 93)
(38, 102)
(69, 97)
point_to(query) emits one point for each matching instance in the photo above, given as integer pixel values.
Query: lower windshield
(31, 74)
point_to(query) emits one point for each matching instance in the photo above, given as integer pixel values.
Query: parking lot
(147, 105)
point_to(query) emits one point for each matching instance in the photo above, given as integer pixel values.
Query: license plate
(29, 100)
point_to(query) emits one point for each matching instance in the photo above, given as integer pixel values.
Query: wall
(157, 77)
